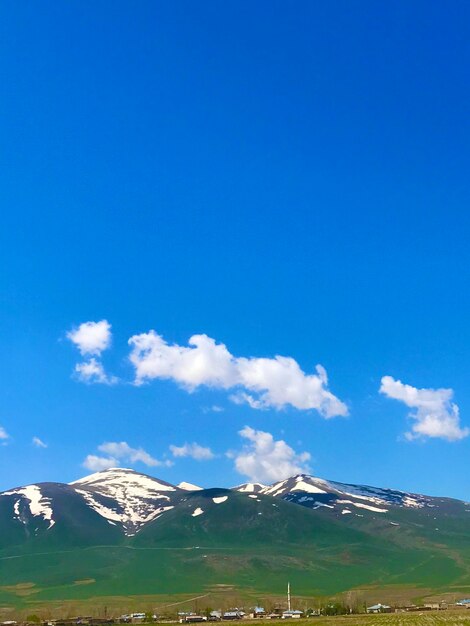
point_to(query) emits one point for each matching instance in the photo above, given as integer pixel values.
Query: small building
(379, 608)
(436, 606)
(292, 614)
(232, 615)
(257, 613)
(215, 616)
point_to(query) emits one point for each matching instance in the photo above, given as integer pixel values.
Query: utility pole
(288, 596)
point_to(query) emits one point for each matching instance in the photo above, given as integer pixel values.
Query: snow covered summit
(342, 497)
(126, 497)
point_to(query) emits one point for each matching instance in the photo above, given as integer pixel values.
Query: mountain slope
(128, 533)
(127, 498)
(48, 516)
(359, 500)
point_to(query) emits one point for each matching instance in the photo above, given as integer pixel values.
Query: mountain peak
(125, 496)
(188, 486)
(110, 472)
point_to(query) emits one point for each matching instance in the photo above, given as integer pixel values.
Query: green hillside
(251, 543)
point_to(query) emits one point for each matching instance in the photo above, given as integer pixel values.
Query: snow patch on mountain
(189, 486)
(126, 497)
(301, 485)
(251, 488)
(117, 478)
(39, 505)
(361, 505)
(220, 499)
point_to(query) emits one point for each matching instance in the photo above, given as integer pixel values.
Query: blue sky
(286, 178)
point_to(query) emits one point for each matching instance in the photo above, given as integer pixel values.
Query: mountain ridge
(131, 533)
(131, 499)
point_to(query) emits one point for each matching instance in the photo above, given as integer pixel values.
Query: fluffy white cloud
(434, 415)
(98, 463)
(276, 382)
(4, 436)
(92, 372)
(265, 460)
(193, 450)
(120, 451)
(91, 338)
(39, 443)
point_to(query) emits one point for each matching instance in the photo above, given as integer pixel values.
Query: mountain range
(120, 532)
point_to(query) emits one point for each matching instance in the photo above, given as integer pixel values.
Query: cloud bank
(261, 382)
(434, 414)
(262, 459)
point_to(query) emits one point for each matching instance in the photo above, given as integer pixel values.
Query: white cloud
(435, 414)
(4, 436)
(91, 338)
(276, 382)
(39, 443)
(265, 460)
(193, 450)
(215, 408)
(98, 463)
(120, 451)
(92, 372)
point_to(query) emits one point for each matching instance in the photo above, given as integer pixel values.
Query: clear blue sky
(289, 178)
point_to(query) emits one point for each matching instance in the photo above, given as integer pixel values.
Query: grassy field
(240, 554)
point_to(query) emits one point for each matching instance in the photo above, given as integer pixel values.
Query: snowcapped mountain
(128, 522)
(129, 501)
(127, 498)
(344, 498)
(121, 497)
